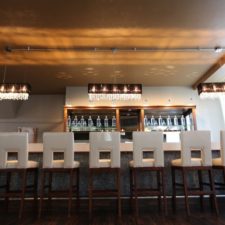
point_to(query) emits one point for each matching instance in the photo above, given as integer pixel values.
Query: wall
(46, 111)
(42, 111)
(208, 112)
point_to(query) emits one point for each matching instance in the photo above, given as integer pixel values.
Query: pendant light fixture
(114, 92)
(211, 90)
(14, 91)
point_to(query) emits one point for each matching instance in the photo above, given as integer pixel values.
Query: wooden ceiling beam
(210, 72)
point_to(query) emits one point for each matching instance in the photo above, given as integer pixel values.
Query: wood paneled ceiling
(112, 24)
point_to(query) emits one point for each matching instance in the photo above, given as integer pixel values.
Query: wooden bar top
(124, 147)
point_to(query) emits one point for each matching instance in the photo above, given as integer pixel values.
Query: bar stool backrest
(222, 146)
(148, 141)
(104, 142)
(196, 140)
(14, 142)
(58, 142)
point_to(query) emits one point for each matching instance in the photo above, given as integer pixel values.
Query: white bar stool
(144, 142)
(54, 142)
(192, 141)
(219, 163)
(104, 142)
(17, 143)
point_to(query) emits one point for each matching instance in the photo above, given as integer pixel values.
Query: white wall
(46, 111)
(208, 112)
(42, 111)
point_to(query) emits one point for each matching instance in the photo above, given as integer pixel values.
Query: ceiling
(166, 24)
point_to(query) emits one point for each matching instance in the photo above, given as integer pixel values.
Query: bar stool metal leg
(213, 195)
(90, 188)
(131, 186)
(77, 189)
(118, 188)
(184, 175)
(8, 179)
(135, 192)
(158, 172)
(23, 188)
(41, 192)
(50, 174)
(173, 172)
(70, 194)
(36, 185)
(200, 187)
(164, 191)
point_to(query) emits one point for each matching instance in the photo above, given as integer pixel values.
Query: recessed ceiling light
(117, 75)
(64, 76)
(170, 67)
(89, 68)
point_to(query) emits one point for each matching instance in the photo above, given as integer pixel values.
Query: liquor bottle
(90, 121)
(182, 121)
(145, 121)
(82, 121)
(168, 121)
(75, 121)
(72, 126)
(98, 122)
(153, 121)
(69, 123)
(160, 121)
(113, 121)
(175, 121)
(106, 122)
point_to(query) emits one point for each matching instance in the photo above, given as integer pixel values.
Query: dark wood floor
(105, 214)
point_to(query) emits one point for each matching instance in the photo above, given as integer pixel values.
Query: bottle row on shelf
(89, 124)
(167, 123)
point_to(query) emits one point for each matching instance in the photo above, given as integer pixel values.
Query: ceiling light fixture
(14, 91)
(211, 90)
(114, 92)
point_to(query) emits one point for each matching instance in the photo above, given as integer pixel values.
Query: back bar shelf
(126, 119)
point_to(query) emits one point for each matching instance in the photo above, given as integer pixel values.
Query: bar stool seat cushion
(194, 162)
(145, 163)
(217, 162)
(14, 164)
(105, 163)
(60, 164)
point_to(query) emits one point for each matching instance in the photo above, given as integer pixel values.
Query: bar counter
(124, 146)
(81, 149)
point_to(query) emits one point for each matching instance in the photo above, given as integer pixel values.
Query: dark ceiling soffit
(210, 72)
